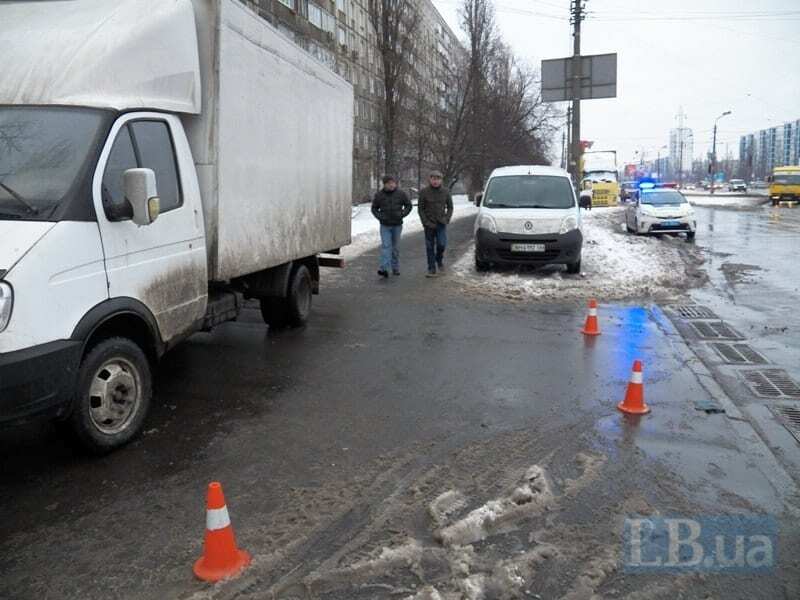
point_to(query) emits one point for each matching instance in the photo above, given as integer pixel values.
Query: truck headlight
(487, 222)
(6, 304)
(568, 224)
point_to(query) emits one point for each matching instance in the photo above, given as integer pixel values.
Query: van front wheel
(115, 386)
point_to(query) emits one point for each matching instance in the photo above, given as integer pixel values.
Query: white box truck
(160, 160)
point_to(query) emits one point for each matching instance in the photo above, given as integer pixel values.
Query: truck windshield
(601, 176)
(529, 191)
(43, 153)
(663, 197)
(787, 179)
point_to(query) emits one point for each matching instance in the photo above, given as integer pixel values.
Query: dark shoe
(383, 273)
(396, 272)
(432, 273)
(441, 266)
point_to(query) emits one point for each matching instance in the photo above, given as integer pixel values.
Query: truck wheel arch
(122, 317)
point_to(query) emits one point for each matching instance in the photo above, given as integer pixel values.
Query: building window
(342, 35)
(315, 15)
(289, 3)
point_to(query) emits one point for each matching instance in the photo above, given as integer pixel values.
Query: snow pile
(740, 202)
(366, 229)
(615, 265)
(534, 496)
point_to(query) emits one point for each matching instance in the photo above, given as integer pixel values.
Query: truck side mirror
(140, 190)
(478, 198)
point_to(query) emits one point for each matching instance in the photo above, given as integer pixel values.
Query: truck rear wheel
(295, 309)
(115, 386)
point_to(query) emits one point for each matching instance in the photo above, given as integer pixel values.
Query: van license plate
(670, 223)
(527, 247)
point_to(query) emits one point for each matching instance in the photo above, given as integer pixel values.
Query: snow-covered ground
(366, 230)
(735, 202)
(615, 265)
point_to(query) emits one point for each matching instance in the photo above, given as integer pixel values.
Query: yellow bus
(784, 185)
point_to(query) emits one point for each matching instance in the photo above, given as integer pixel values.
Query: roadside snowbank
(366, 230)
(615, 265)
(735, 202)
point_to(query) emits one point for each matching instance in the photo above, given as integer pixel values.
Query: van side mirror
(478, 198)
(140, 190)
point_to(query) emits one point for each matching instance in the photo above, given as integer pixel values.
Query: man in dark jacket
(390, 206)
(435, 207)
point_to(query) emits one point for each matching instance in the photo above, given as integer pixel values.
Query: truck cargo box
(273, 144)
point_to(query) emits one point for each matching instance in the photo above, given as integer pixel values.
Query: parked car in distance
(661, 210)
(528, 215)
(628, 191)
(737, 185)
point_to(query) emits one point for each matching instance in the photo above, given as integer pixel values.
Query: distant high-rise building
(762, 151)
(681, 150)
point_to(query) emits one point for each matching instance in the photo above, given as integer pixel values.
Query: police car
(660, 210)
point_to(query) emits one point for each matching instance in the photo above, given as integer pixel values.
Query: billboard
(598, 78)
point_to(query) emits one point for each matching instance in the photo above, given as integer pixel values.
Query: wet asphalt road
(332, 441)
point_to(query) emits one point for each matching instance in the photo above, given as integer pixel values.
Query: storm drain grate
(694, 311)
(772, 383)
(716, 330)
(790, 417)
(738, 354)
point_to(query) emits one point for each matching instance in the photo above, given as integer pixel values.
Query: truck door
(162, 265)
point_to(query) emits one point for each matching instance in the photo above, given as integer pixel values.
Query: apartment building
(761, 151)
(339, 33)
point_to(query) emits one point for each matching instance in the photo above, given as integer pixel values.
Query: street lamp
(714, 149)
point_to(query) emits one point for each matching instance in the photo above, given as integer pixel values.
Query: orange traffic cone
(221, 558)
(634, 396)
(591, 327)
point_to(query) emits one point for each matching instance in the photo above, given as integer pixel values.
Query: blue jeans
(435, 243)
(390, 247)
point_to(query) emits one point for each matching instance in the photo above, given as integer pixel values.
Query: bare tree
(395, 23)
(449, 139)
(477, 22)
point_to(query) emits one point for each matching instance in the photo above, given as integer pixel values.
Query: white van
(528, 215)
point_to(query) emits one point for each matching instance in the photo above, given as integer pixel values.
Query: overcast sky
(707, 56)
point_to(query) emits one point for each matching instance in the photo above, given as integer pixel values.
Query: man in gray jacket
(435, 207)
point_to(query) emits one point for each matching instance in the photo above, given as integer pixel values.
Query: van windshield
(787, 178)
(43, 153)
(529, 191)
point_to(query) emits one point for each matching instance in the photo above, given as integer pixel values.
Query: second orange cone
(633, 403)
(221, 558)
(591, 327)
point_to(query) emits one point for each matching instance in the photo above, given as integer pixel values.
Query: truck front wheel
(295, 309)
(114, 390)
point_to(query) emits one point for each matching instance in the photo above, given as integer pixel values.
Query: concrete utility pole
(713, 165)
(569, 140)
(577, 15)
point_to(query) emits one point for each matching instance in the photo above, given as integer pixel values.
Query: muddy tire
(481, 265)
(115, 386)
(295, 309)
(690, 236)
(574, 268)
